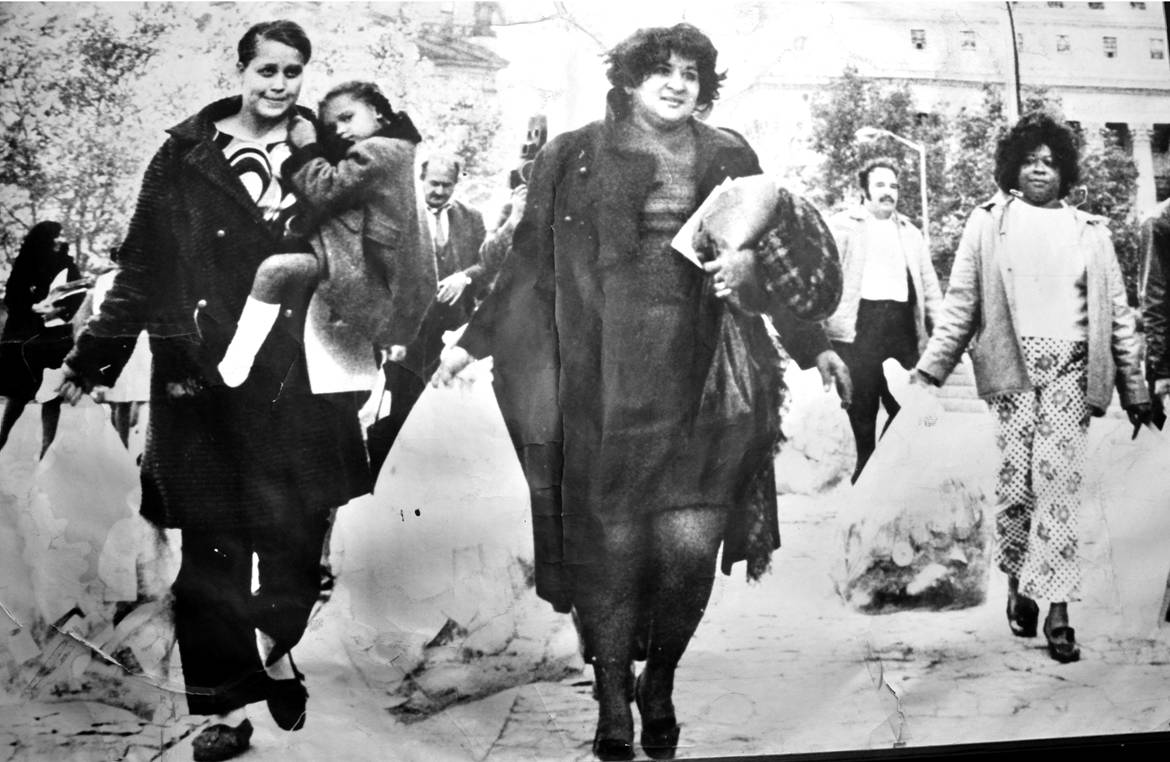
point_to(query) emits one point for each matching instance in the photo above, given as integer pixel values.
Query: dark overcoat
(560, 327)
(27, 346)
(216, 457)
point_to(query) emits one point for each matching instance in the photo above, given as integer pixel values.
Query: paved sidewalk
(778, 667)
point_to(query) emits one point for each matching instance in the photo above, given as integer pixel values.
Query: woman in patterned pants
(1037, 296)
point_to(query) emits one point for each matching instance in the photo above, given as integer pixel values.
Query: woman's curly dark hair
(633, 59)
(1035, 129)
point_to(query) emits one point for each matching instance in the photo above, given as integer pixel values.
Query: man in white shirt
(890, 299)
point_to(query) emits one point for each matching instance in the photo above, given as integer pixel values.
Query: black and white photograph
(561, 380)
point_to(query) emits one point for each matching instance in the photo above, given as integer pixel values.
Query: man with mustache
(890, 301)
(453, 232)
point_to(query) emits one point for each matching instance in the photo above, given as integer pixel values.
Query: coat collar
(999, 203)
(196, 137)
(201, 126)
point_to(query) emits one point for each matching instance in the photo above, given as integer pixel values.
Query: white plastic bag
(1127, 491)
(914, 528)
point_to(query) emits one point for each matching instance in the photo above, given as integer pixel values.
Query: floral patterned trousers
(1042, 435)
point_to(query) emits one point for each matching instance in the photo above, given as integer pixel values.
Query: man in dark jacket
(454, 233)
(1155, 306)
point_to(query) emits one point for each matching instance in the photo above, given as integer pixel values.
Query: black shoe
(1062, 643)
(613, 749)
(659, 736)
(1022, 615)
(221, 741)
(287, 700)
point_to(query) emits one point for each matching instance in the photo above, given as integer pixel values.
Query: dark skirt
(23, 361)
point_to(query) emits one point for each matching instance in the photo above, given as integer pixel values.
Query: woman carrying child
(247, 471)
(362, 249)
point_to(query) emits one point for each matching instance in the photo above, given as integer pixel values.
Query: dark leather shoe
(1022, 614)
(613, 749)
(221, 741)
(287, 700)
(1062, 643)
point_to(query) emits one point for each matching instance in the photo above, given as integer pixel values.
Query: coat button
(288, 313)
(201, 304)
(584, 170)
(568, 218)
(220, 233)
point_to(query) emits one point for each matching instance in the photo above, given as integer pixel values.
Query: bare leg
(50, 417)
(12, 410)
(121, 414)
(276, 275)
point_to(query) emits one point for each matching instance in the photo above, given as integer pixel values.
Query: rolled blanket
(797, 265)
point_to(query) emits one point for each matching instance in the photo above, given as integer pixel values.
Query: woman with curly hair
(245, 472)
(1037, 294)
(603, 339)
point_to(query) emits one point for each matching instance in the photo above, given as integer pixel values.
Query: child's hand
(396, 353)
(301, 132)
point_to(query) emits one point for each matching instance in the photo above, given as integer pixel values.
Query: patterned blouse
(258, 167)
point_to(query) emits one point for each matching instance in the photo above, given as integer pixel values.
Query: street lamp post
(869, 134)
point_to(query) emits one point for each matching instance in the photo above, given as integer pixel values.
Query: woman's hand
(451, 363)
(834, 372)
(73, 388)
(396, 353)
(732, 271)
(1139, 415)
(301, 132)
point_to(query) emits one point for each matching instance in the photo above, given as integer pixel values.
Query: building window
(1055, 5)
(1138, 6)
(918, 38)
(1019, 41)
(1110, 46)
(967, 40)
(1157, 48)
(1097, 6)
(1062, 45)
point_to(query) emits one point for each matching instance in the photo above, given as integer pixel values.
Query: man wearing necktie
(455, 232)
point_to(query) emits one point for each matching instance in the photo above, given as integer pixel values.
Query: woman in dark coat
(252, 469)
(28, 347)
(603, 340)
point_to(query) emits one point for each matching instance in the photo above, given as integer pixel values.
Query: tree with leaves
(960, 161)
(87, 91)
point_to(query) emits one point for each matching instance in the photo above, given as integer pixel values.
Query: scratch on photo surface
(896, 719)
(10, 615)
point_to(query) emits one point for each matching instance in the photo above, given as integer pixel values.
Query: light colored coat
(850, 229)
(980, 304)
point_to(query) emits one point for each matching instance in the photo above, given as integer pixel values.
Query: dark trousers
(885, 330)
(217, 614)
(405, 387)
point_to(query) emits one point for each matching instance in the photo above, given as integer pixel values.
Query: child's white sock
(255, 322)
(282, 669)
